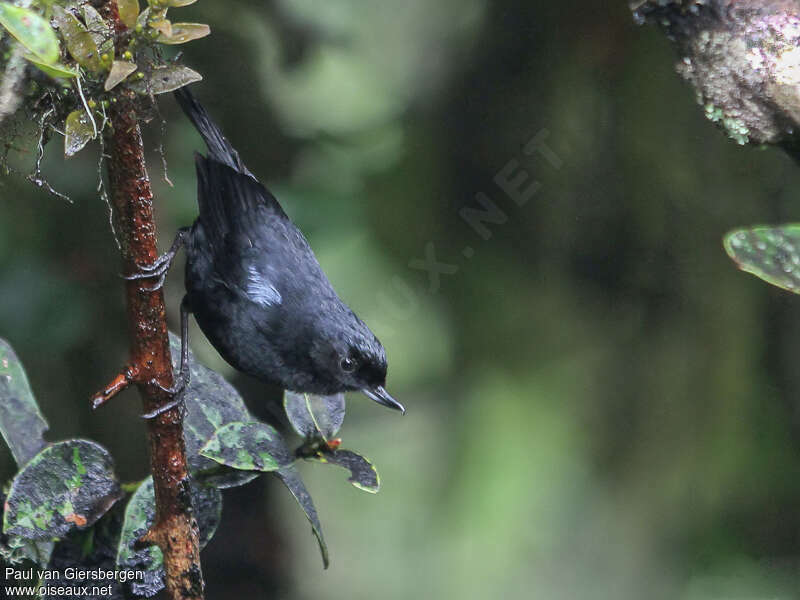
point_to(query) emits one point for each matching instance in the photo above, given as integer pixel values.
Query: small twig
(86, 106)
(36, 177)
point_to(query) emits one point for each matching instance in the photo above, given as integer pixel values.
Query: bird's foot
(159, 268)
(177, 391)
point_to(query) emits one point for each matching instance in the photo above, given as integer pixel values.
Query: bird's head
(355, 360)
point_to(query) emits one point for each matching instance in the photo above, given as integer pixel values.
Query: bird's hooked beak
(381, 396)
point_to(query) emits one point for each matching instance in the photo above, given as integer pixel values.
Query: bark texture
(743, 59)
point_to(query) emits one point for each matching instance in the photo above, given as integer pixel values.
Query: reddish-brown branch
(175, 529)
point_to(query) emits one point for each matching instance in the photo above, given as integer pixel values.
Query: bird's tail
(219, 148)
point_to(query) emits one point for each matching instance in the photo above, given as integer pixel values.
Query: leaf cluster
(81, 59)
(65, 505)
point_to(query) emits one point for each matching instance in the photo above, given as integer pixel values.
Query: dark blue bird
(256, 288)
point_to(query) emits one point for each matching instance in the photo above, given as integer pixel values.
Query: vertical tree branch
(175, 528)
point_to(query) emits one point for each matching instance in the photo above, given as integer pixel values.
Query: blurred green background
(599, 404)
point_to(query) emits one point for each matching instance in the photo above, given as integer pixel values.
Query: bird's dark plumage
(257, 290)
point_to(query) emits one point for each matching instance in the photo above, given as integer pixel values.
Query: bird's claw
(177, 391)
(159, 267)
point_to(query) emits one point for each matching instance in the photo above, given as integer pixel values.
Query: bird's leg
(182, 378)
(161, 265)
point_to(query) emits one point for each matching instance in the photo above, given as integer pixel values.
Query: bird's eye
(348, 365)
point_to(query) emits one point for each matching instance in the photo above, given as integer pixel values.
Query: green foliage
(770, 253)
(31, 30)
(79, 130)
(85, 53)
(70, 486)
(315, 416)
(21, 423)
(248, 446)
(67, 486)
(292, 480)
(363, 474)
(139, 517)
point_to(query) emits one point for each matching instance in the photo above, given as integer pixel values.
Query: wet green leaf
(291, 479)
(248, 446)
(21, 423)
(139, 516)
(313, 416)
(166, 79)
(128, 11)
(363, 474)
(120, 69)
(79, 41)
(31, 30)
(180, 33)
(55, 70)
(78, 131)
(770, 253)
(211, 402)
(68, 485)
(101, 31)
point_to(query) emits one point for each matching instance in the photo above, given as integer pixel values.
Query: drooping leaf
(211, 402)
(55, 70)
(101, 30)
(128, 11)
(78, 131)
(291, 479)
(363, 474)
(770, 253)
(166, 79)
(180, 33)
(139, 517)
(31, 30)
(251, 446)
(80, 43)
(120, 69)
(68, 485)
(21, 423)
(314, 416)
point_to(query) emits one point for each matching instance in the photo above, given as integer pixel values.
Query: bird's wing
(231, 201)
(258, 252)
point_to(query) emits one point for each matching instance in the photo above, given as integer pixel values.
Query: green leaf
(79, 41)
(314, 416)
(291, 479)
(66, 486)
(363, 474)
(139, 517)
(177, 3)
(248, 446)
(128, 11)
(770, 253)
(101, 31)
(78, 131)
(55, 70)
(21, 423)
(166, 79)
(31, 30)
(180, 33)
(120, 69)
(210, 402)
